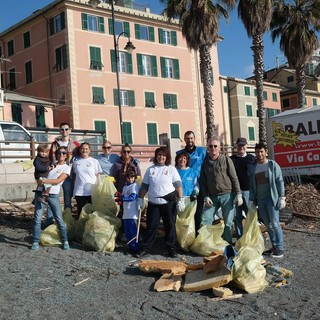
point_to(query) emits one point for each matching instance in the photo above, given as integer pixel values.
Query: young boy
(42, 166)
(130, 212)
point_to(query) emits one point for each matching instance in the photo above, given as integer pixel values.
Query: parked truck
(294, 140)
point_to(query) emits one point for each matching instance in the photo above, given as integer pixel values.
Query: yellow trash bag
(50, 236)
(80, 223)
(209, 239)
(185, 225)
(252, 235)
(70, 222)
(99, 234)
(108, 215)
(103, 194)
(247, 272)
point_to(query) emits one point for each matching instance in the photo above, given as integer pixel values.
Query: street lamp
(129, 47)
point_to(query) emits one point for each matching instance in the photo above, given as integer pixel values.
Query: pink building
(65, 53)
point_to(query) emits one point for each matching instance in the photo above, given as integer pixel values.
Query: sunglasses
(126, 151)
(59, 152)
(64, 129)
(213, 146)
(106, 148)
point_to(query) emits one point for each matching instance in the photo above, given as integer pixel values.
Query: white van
(11, 133)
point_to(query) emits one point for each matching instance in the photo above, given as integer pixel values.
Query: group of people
(205, 175)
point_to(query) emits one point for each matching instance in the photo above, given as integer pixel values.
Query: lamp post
(129, 47)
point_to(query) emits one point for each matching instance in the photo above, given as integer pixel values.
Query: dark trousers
(154, 213)
(81, 202)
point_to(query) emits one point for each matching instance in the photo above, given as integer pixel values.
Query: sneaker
(35, 246)
(276, 253)
(65, 245)
(172, 252)
(268, 252)
(142, 253)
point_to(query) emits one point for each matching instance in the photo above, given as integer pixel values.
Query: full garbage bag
(103, 194)
(185, 225)
(99, 234)
(50, 236)
(252, 235)
(209, 239)
(247, 271)
(80, 223)
(70, 222)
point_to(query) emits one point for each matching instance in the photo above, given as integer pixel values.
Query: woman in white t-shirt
(86, 170)
(55, 177)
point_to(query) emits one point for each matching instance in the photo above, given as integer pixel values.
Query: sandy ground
(44, 284)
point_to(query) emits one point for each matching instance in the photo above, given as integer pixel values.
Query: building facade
(65, 53)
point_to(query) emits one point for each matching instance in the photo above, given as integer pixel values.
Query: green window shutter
(225, 89)
(16, 111)
(100, 126)
(274, 96)
(132, 101)
(84, 18)
(174, 131)
(174, 101)
(149, 100)
(151, 33)
(160, 33)
(126, 28)
(265, 95)
(154, 66)
(129, 62)
(115, 97)
(51, 26)
(249, 110)
(101, 24)
(63, 20)
(137, 31)
(40, 119)
(176, 69)
(97, 95)
(247, 91)
(113, 61)
(174, 38)
(110, 26)
(127, 132)
(251, 133)
(152, 133)
(139, 62)
(254, 92)
(314, 101)
(166, 101)
(163, 67)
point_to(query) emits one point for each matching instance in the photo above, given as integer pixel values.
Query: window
(251, 133)
(310, 69)
(149, 99)
(314, 101)
(271, 112)
(127, 132)
(169, 68)
(12, 79)
(120, 27)
(100, 126)
(274, 96)
(92, 23)
(16, 111)
(255, 92)
(286, 103)
(61, 95)
(144, 32)
(167, 37)
(61, 58)
(97, 95)
(40, 119)
(247, 91)
(249, 110)
(57, 23)
(174, 131)
(125, 62)
(26, 39)
(95, 58)
(147, 65)
(28, 71)
(126, 98)
(265, 95)
(170, 101)
(10, 48)
(152, 133)
(225, 89)
(290, 79)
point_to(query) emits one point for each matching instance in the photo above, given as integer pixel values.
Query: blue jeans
(54, 204)
(238, 215)
(270, 216)
(225, 201)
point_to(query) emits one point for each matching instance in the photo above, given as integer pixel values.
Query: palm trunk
(301, 85)
(257, 49)
(205, 73)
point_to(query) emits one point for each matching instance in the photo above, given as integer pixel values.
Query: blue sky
(235, 55)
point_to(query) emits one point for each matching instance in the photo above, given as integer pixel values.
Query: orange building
(64, 53)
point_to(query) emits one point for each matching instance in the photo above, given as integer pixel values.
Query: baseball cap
(241, 141)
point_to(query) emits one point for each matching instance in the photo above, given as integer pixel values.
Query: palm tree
(256, 17)
(199, 20)
(296, 25)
